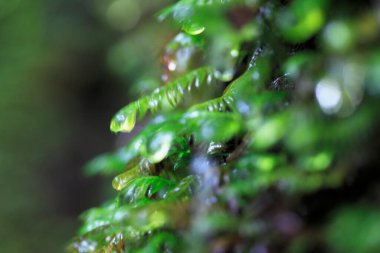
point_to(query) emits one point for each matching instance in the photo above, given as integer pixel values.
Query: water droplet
(193, 28)
(216, 106)
(197, 82)
(255, 75)
(243, 107)
(171, 97)
(209, 79)
(120, 181)
(192, 114)
(85, 246)
(229, 100)
(179, 88)
(225, 75)
(172, 65)
(158, 147)
(146, 168)
(153, 104)
(234, 53)
(124, 121)
(189, 87)
(214, 147)
(329, 95)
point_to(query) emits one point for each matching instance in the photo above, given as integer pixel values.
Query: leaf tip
(123, 122)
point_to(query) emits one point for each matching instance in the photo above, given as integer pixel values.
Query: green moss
(263, 118)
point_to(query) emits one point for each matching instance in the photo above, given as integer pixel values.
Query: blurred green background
(53, 118)
(59, 87)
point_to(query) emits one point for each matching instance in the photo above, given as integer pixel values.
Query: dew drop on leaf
(123, 121)
(225, 75)
(234, 52)
(209, 79)
(158, 147)
(197, 82)
(180, 90)
(120, 181)
(84, 246)
(193, 28)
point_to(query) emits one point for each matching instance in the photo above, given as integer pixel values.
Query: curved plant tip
(169, 96)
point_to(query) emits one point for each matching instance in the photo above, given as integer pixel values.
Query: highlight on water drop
(124, 120)
(193, 28)
(158, 147)
(120, 181)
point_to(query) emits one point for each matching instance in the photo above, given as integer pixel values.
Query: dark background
(58, 92)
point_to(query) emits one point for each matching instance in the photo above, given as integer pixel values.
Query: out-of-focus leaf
(302, 20)
(163, 241)
(269, 132)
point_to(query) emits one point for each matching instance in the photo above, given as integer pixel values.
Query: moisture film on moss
(266, 114)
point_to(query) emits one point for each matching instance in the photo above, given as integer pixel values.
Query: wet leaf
(183, 190)
(125, 119)
(120, 181)
(144, 187)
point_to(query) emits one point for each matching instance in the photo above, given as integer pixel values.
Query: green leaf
(106, 227)
(270, 131)
(97, 217)
(244, 87)
(120, 181)
(160, 242)
(214, 126)
(183, 190)
(156, 140)
(104, 164)
(158, 146)
(169, 96)
(144, 188)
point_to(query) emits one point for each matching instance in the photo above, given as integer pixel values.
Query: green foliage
(170, 95)
(229, 172)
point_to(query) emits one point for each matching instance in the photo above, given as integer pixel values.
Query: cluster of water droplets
(84, 246)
